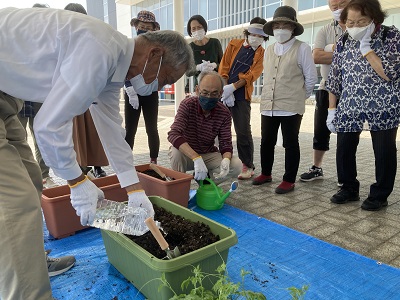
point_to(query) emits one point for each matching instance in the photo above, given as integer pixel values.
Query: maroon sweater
(191, 126)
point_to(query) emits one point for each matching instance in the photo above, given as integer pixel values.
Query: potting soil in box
(143, 269)
(60, 216)
(176, 190)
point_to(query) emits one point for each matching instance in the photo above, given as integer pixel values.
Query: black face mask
(208, 103)
(140, 31)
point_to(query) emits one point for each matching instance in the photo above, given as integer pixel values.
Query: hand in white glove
(205, 66)
(138, 198)
(224, 169)
(229, 101)
(228, 90)
(200, 168)
(133, 97)
(329, 119)
(212, 65)
(365, 43)
(329, 48)
(84, 197)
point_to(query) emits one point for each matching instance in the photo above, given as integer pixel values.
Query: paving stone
(308, 208)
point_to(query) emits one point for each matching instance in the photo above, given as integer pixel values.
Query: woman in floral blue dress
(365, 75)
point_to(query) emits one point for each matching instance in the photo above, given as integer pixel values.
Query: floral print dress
(364, 97)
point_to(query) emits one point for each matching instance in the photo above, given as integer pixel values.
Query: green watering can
(210, 196)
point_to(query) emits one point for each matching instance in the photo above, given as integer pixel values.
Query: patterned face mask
(199, 34)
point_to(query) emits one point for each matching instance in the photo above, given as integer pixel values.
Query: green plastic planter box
(143, 269)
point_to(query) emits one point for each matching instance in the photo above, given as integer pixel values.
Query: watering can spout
(234, 186)
(210, 196)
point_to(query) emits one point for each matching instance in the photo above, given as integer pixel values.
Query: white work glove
(212, 65)
(365, 43)
(228, 90)
(223, 169)
(229, 101)
(133, 97)
(329, 48)
(200, 169)
(138, 198)
(84, 197)
(329, 119)
(206, 66)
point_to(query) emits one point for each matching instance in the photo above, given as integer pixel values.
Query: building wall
(124, 17)
(228, 18)
(104, 10)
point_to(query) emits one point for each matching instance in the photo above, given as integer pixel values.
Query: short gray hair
(204, 74)
(177, 51)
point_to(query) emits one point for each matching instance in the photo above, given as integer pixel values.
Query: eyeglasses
(287, 26)
(359, 23)
(145, 28)
(208, 94)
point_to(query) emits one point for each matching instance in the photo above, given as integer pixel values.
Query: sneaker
(99, 172)
(344, 196)
(313, 173)
(246, 173)
(48, 183)
(373, 204)
(57, 266)
(284, 187)
(153, 161)
(261, 179)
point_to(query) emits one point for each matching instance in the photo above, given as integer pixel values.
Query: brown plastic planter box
(176, 190)
(60, 216)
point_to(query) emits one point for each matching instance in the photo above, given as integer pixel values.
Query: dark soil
(178, 231)
(153, 173)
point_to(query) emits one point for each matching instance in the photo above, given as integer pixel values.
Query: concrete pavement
(308, 208)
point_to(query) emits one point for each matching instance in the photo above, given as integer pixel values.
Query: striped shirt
(199, 131)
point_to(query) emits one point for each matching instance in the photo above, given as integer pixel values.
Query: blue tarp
(277, 257)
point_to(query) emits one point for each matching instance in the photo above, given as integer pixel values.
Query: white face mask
(282, 35)
(254, 41)
(143, 88)
(336, 14)
(357, 33)
(199, 34)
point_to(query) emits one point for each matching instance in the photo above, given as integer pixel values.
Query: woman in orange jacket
(241, 65)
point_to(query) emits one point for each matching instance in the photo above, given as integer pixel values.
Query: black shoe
(373, 204)
(99, 172)
(344, 196)
(86, 170)
(313, 173)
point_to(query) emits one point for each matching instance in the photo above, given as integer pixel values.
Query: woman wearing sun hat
(134, 104)
(240, 66)
(290, 76)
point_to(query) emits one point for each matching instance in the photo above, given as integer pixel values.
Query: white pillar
(178, 26)
(292, 3)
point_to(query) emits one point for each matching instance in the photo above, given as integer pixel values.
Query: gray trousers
(180, 162)
(23, 264)
(29, 121)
